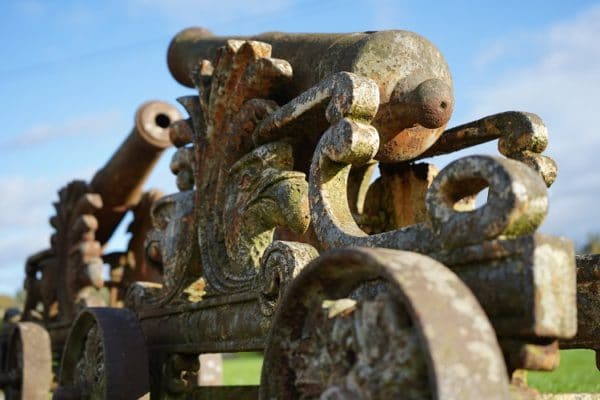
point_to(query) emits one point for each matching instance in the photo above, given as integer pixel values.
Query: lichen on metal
(279, 241)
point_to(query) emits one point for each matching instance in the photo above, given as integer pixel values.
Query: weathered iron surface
(65, 278)
(521, 136)
(516, 205)
(260, 191)
(221, 324)
(127, 267)
(396, 199)
(120, 181)
(258, 248)
(25, 361)
(62, 278)
(281, 262)
(542, 356)
(410, 74)
(226, 393)
(526, 285)
(104, 357)
(250, 187)
(409, 312)
(588, 305)
(245, 136)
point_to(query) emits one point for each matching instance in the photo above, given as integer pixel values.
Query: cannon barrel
(415, 86)
(120, 181)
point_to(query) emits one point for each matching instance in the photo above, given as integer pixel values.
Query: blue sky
(73, 73)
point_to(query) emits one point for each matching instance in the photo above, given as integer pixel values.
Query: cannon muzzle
(121, 180)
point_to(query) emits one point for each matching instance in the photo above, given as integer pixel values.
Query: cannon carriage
(67, 277)
(280, 240)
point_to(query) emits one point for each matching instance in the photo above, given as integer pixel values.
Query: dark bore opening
(162, 120)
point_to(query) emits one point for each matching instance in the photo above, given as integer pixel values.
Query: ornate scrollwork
(269, 194)
(517, 203)
(170, 247)
(521, 136)
(132, 265)
(280, 263)
(242, 191)
(246, 189)
(74, 262)
(445, 222)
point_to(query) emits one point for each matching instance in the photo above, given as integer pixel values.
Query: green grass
(577, 373)
(242, 369)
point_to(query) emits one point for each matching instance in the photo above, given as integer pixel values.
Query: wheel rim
(458, 354)
(29, 360)
(105, 357)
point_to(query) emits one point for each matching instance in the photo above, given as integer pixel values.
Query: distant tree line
(592, 244)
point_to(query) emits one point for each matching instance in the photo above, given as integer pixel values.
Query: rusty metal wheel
(27, 369)
(363, 323)
(105, 357)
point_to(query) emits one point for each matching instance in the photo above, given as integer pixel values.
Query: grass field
(243, 369)
(577, 373)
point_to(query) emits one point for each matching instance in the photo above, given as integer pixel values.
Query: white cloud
(17, 243)
(26, 200)
(193, 12)
(561, 86)
(77, 126)
(21, 244)
(25, 207)
(25, 204)
(491, 54)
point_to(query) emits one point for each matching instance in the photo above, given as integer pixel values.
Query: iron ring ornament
(516, 204)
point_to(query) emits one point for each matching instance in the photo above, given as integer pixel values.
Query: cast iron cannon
(65, 278)
(259, 256)
(280, 241)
